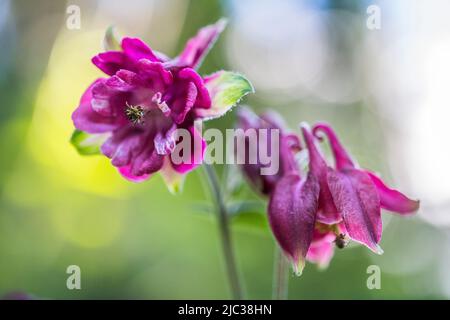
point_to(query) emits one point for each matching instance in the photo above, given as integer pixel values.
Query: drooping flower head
(293, 195)
(311, 213)
(136, 111)
(359, 194)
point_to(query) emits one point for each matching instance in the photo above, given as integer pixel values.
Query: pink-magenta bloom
(293, 197)
(359, 194)
(147, 97)
(310, 215)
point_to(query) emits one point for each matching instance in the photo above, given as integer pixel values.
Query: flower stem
(280, 276)
(225, 235)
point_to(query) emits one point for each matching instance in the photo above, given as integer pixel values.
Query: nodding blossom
(359, 194)
(312, 212)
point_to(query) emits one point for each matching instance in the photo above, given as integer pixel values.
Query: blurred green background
(383, 90)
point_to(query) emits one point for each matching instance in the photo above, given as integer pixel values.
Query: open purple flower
(134, 114)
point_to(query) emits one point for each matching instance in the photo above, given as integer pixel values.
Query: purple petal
(288, 145)
(123, 145)
(109, 62)
(356, 197)
(165, 140)
(203, 99)
(341, 157)
(292, 211)
(86, 119)
(198, 47)
(101, 95)
(124, 81)
(198, 146)
(393, 200)
(155, 73)
(247, 120)
(147, 162)
(132, 151)
(183, 103)
(135, 50)
(328, 212)
(187, 93)
(126, 173)
(321, 249)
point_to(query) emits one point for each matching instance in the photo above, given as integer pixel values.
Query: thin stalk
(280, 276)
(224, 230)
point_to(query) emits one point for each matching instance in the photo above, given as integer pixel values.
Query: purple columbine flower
(311, 214)
(293, 197)
(359, 194)
(135, 112)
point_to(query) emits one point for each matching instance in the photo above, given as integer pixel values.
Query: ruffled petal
(186, 93)
(109, 62)
(132, 151)
(147, 162)
(356, 197)
(184, 102)
(126, 173)
(154, 74)
(109, 97)
(101, 98)
(292, 210)
(198, 147)
(135, 50)
(198, 46)
(124, 81)
(203, 99)
(393, 200)
(123, 145)
(341, 157)
(328, 212)
(88, 120)
(165, 140)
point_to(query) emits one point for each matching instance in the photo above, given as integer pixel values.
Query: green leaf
(88, 144)
(226, 89)
(111, 41)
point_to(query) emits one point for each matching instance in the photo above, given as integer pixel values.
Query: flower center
(135, 114)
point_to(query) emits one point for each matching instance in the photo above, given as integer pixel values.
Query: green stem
(225, 235)
(280, 276)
